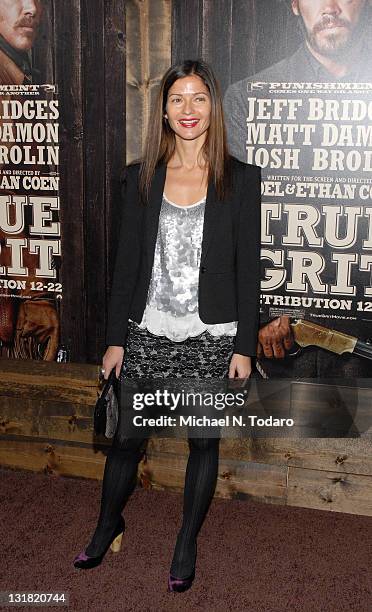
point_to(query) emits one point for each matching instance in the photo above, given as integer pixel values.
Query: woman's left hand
(240, 366)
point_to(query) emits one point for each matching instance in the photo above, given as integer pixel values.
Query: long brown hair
(161, 142)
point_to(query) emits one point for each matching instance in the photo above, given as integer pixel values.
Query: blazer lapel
(153, 211)
(212, 210)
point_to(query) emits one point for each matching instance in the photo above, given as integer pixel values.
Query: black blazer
(229, 276)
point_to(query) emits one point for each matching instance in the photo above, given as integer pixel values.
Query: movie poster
(30, 235)
(315, 149)
(307, 122)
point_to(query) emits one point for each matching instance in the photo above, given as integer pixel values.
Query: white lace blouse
(172, 301)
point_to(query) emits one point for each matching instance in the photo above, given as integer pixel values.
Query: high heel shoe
(83, 561)
(179, 585)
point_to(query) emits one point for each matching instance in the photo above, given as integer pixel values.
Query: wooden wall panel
(68, 76)
(43, 53)
(54, 419)
(148, 57)
(305, 488)
(232, 35)
(236, 479)
(330, 491)
(243, 49)
(46, 423)
(115, 140)
(94, 114)
(83, 52)
(187, 30)
(346, 456)
(54, 458)
(217, 38)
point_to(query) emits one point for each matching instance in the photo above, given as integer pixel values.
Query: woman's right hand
(113, 358)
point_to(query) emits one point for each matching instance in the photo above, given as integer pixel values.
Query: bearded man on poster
(19, 23)
(336, 48)
(29, 328)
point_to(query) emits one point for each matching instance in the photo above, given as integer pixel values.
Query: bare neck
(188, 153)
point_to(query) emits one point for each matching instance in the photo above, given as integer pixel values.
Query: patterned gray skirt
(147, 355)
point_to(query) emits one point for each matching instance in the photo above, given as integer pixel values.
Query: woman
(185, 291)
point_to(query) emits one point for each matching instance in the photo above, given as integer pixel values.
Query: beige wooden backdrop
(148, 25)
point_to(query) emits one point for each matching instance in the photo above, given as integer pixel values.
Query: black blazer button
(203, 269)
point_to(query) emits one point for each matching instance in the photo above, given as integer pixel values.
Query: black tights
(119, 481)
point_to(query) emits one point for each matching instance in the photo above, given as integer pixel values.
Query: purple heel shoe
(83, 561)
(179, 585)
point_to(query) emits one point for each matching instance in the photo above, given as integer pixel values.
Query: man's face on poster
(19, 22)
(331, 26)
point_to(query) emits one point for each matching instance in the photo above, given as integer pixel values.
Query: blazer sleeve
(127, 261)
(248, 263)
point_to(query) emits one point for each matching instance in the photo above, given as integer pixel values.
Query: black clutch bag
(106, 410)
